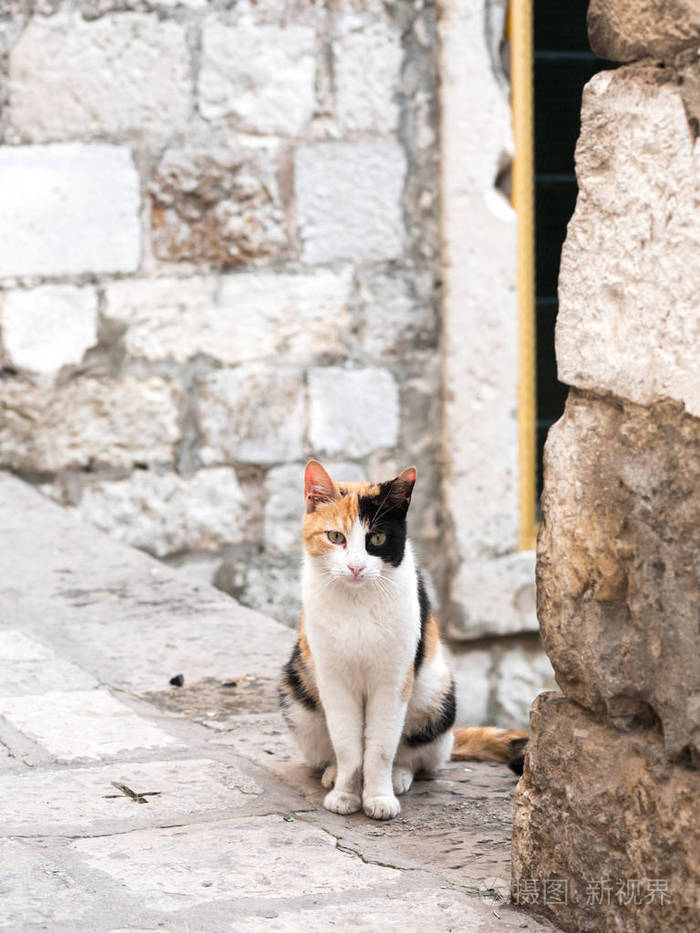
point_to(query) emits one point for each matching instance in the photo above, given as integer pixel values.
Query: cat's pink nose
(356, 569)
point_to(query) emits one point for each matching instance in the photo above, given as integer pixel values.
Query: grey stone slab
(253, 857)
(27, 666)
(262, 738)
(416, 910)
(82, 724)
(463, 817)
(35, 889)
(85, 800)
(126, 618)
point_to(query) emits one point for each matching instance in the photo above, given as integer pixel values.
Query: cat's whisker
(388, 580)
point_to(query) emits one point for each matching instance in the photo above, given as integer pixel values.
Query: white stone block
(257, 78)
(68, 209)
(439, 909)
(236, 318)
(353, 412)
(84, 799)
(246, 858)
(472, 686)
(268, 583)
(29, 667)
(349, 200)
(392, 319)
(519, 677)
(43, 329)
(82, 724)
(88, 421)
(628, 320)
(164, 513)
(367, 67)
(496, 596)
(37, 888)
(16, 646)
(252, 414)
(124, 74)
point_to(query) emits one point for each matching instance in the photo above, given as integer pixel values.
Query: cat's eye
(377, 539)
(336, 537)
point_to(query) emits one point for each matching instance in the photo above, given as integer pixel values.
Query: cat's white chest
(364, 637)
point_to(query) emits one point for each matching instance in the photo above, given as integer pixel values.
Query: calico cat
(367, 692)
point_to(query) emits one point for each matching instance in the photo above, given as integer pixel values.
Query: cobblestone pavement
(130, 804)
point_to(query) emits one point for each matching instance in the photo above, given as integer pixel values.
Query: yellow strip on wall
(520, 31)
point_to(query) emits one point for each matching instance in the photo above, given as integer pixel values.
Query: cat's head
(355, 531)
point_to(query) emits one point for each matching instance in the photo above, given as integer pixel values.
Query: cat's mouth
(355, 581)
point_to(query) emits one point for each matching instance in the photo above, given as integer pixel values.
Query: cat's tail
(488, 743)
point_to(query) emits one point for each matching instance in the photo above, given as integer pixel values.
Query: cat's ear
(402, 488)
(318, 486)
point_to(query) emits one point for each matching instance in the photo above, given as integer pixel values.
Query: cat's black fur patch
(517, 749)
(516, 765)
(385, 512)
(294, 681)
(443, 720)
(424, 604)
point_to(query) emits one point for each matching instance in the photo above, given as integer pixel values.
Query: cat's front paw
(329, 775)
(381, 808)
(340, 802)
(401, 778)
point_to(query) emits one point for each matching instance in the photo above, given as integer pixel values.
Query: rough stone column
(606, 832)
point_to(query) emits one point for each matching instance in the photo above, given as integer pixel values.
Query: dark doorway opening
(563, 63)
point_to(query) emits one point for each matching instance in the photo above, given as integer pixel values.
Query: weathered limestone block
(353, 411)
(394, 319)
(367, 67)
(257, 78)
(617, 564)
(235, 318)
(472, 670)
(252, 414)
(521, 672)
(162, 513)
(87, 422)
(123, 74)
(68, 209)
(608, 814)
(628, 318)
(217, 205)
(624, 30)
(43, 329)
(349, 200)
(263, 581)
(496, 595)
(496, 685)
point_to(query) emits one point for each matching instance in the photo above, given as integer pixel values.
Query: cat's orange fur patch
(485, 743)
(431, 637)
(303, 643)
(408, 684)
(335, 515)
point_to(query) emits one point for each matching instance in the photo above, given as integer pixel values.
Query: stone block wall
(615, 757)
(221, 255)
